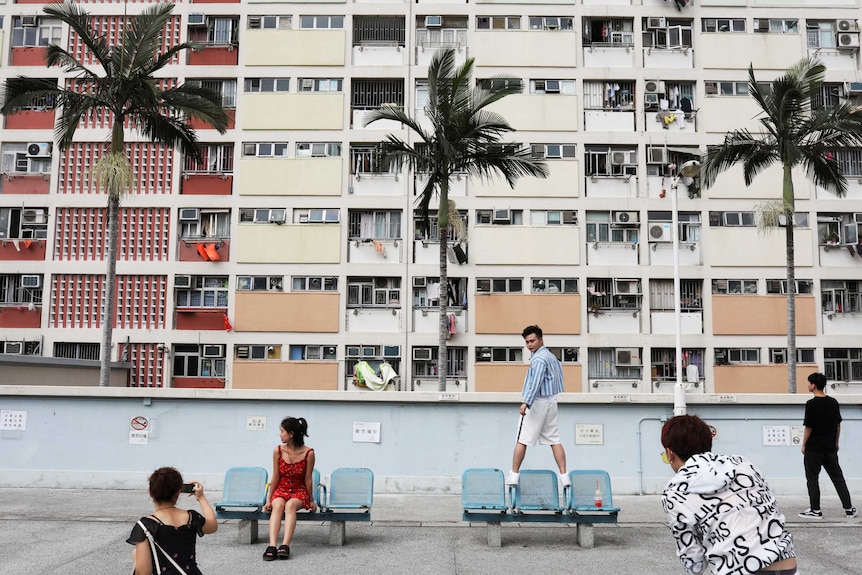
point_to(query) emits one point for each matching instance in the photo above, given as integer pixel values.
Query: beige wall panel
(285, 375)
(760, 315)
(505, 377)
(511, 313)
(289, 243)
(767, 185)
(764, 51)
(291, 176)
(502, 245)
(759, 378)
(303, 111)
(540, 112)
(563, 181)
(722, 114)
(746, 247)
(519, 48)
(294, 48)
(286, 312)
(62, 375)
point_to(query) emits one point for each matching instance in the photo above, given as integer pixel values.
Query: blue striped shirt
(544, 378)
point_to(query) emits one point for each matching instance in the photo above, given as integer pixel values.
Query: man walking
(538, 423)
(820, 447)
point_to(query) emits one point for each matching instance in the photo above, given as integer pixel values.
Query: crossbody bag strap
(154, 546)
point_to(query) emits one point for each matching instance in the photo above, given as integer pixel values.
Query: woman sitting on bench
(291, 488)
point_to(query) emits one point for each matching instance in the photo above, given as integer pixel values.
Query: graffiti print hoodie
(724, 516)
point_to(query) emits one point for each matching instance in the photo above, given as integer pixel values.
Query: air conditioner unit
(249, 149)
(623, 158)
(391, 351)
(657, 155)
(857, 218)
(848, 41)
(419, 282)
(626, 287)
(31, 281)
(241, 351)
(654, 23)
(570, 354)
(190, 214)
(433, 21)
(213, 351)
(276, 284)
(308, 84)
(502, 215)
(315, 283)
(660, 233)
(14, 347)
(34, 216)
(847, 26)
(29, 21)
(353, 351)
(651, 100)
(654, 87)
(552, 86)
(277, 216)
(626, 217)
(421, 353)
(254, 22)
(39, 150)
(853, 88)
(183, 281)
(197, 20)
(628, 356)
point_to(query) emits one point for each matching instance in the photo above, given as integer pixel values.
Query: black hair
(686, 435)
(818, 379)
(165, 485)
(532, 330)
(298, 426)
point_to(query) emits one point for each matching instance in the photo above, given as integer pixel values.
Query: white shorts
(540, 424)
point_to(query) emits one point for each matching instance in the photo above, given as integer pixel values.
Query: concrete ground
(75, 531)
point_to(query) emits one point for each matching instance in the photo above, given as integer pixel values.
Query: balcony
(20, 316)
(206, 184)
(387, 319)
(31, 120)
(203, 249)
(427, 320)
(25, 183)
(200, 319)
(22, 249)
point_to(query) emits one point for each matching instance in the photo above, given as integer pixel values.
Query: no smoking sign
(139, 423)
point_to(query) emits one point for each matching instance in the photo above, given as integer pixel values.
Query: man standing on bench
(538, 422)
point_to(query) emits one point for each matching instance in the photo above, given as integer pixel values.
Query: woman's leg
(290, 510)
(275, 519)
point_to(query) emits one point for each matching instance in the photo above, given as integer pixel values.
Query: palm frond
(143, 38)
(78, 20)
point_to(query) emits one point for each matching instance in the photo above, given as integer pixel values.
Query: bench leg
(337, 531)
(247, 531)
(586, 535)
(495, 535)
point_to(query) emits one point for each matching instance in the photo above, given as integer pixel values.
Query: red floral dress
(291, 485)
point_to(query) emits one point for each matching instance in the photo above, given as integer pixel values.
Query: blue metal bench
(536, 499)
(245, 490)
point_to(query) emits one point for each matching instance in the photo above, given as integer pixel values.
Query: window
(378, 30)
(613, 294)
(218, 31)
(552, 86)
(602, 363)
(740, 355)
(500, 354)
(257, 352)
(780, 286)
(711, 25)
(498, 22)
(42, 32)
(18, 289)
(313, 352)
(456, 361)
(18, 161)
(320, 84)
(661, 295)
(830, 95)
(259, 283)
(374, 355)
(269, 22)
(495, 84)
(23, 223)
(554, 285)
(74, 350)
(369, 93)
(663, 363)
(374, 292)
(667, 34)
(318, 149)
(265, 149)
(321, 22)
(689, 226)
(216, 159)
(262, 215)
(205, 291)
(257, 85)
(450, 32)
(601, 228)
(453, 233)
(316, 216)
(604, 161)
(732, 219)
(842, 364)
(193, 360)
(553, 217)
(553, 151)
(499, 285)
(500, 217)
(370, 159)
(314, 283)
(850, 162)
(551, 23)
(734, 287)
(565, 354)
(726, 88)
(779, 355)
(427, 292)
(209, 224)
(374, 224)
(610, 32)
(225, 90)
(820, 34)
(841, 296)
(776, 26)
(609, 95)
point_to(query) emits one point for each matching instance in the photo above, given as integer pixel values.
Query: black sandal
(283, 552)
(269, 554)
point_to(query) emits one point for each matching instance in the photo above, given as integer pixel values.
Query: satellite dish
(690, 169)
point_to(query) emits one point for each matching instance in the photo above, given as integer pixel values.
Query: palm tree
(125, 88)
(793, 133)
(464, 137)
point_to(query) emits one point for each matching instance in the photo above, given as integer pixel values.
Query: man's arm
(805, 437)
(837, 436)
(535, 376)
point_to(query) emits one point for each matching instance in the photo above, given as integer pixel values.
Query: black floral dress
(178, 542)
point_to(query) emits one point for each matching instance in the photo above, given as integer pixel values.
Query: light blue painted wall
(83, 441)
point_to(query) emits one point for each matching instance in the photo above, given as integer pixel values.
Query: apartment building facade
(293, 251)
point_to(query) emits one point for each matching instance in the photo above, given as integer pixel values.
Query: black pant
(814, 460)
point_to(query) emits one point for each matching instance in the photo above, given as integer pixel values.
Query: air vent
(13, 347)
(213, 351)
(422, 353)
(183, 281)
(419, 282)
(197, 20)
(189, 214)
(31, 281)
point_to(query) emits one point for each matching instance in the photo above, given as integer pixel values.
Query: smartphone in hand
(188, 488)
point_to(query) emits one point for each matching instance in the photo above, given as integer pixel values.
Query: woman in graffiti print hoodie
(720, 510)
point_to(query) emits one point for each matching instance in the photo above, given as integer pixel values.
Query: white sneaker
(513, 478)
(565, 480)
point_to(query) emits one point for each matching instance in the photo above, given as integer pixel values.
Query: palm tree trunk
(443, 334)
(791, 282)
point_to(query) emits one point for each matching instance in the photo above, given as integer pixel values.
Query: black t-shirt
(179, 542)
(822, 415)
